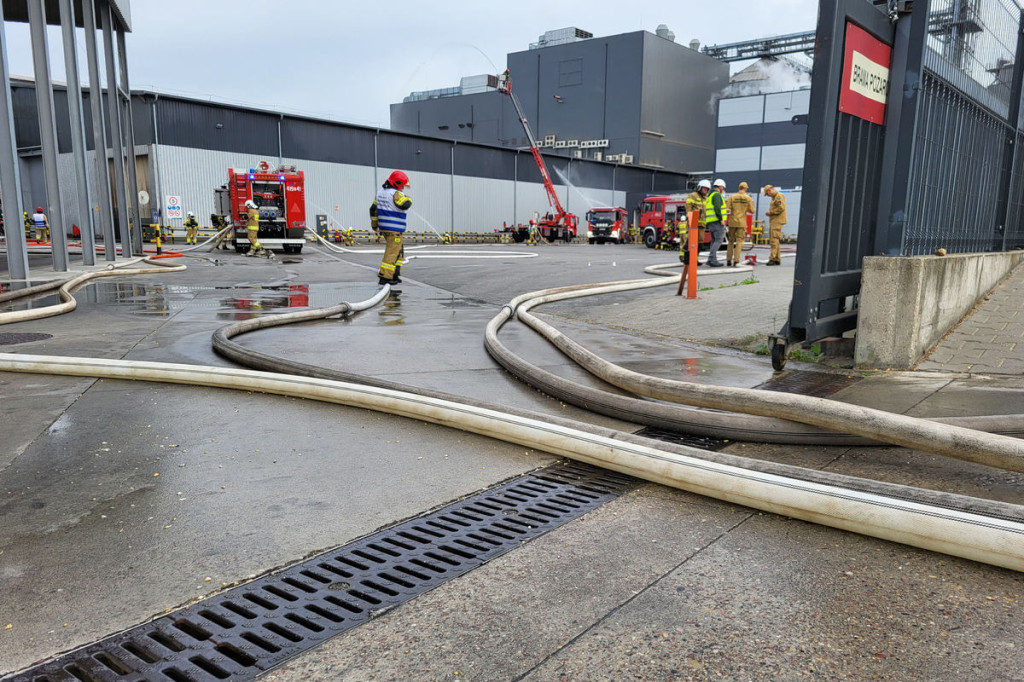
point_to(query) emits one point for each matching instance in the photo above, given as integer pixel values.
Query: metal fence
(943, 167)
(965, 185)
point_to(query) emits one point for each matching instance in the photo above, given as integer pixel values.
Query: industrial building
(635, 99)
(762, 132)
(184, 148)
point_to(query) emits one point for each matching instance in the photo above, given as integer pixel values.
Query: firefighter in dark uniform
(388, 218)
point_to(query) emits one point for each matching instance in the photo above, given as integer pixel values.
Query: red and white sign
(865, 84)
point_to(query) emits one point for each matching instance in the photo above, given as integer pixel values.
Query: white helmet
(190, 214)
(704, 184)
(251, 204)
(719, 183)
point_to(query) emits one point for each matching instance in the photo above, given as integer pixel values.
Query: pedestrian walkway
(990, 339)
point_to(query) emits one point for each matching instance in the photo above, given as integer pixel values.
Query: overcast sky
(350, 60)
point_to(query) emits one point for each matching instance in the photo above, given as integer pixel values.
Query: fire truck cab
(658, 218)
(607, 224)
(279, 195)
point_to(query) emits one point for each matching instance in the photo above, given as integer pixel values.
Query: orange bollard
(690, 269)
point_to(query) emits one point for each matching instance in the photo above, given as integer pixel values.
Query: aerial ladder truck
(553, 225)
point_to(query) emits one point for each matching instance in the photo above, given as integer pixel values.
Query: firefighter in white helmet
(191, 227)
(695, 202)
(252, 225)
(714, 204)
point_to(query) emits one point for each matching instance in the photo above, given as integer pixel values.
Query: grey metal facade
(761, 140)
(649, 97)
(186, 147)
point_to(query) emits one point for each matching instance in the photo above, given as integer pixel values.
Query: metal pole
(116, 136)
(1011, 153)
(67, 24)
(452, 228)
(10, 181)
(515, 191)
(157, 199)
(129, 129)
(906, 81)
(99, 139)
(47, 133)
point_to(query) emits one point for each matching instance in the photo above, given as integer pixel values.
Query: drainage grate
(694, 441)
(242, 632)
(9, 339)
(816, 384)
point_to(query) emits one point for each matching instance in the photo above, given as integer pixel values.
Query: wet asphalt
(122, 500)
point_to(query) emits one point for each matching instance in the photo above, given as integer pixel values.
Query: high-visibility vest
(391, 209)
(709, 207)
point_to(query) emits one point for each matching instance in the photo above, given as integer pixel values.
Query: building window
(570, 72)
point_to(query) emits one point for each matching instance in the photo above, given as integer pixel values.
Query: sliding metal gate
(929, 159)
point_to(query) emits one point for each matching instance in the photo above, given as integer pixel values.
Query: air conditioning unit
(549, 140)
(572, 143)
(612, 157)
(626, 158)
(577, 153)
(560, 144)
(597, 156)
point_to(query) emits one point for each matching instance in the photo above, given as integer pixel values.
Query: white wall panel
(784, 106)
(737, 159)
(735, 111)
(344, 192)
(778, 156)
(482, 204)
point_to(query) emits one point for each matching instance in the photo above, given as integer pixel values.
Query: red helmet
(398, 180)
(39, 209)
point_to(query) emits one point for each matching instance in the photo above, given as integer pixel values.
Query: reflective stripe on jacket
(391, 209)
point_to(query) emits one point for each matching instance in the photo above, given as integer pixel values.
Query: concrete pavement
(659, 584)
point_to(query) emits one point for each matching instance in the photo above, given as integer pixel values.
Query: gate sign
(865, 84)
(174, 207)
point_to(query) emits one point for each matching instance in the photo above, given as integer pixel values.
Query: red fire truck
(607, 224)
(279, 195)
(653, 212)
(656, 210)
(555, 224)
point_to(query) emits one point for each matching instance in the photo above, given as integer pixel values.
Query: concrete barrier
(908, 304)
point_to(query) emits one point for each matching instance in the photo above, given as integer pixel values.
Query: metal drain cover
(240, 633)
(9, 339)
(816, 384)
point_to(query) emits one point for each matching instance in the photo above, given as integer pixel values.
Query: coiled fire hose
(960, 531)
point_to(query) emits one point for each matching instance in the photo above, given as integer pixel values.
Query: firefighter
(41, 224)
(740, 204)
(28, 224)
(776, 219)
(716, 210)
(388, 218)
(252, 225)
(191, 228)
(695, 202)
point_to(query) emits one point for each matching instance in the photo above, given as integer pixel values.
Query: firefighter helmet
(190, 214)
(704, 184)
(251, 204)
(719, 183)
(39, 209)
(398, 180)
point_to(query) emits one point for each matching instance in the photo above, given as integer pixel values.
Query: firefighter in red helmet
(41, 224)
(388, 218)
